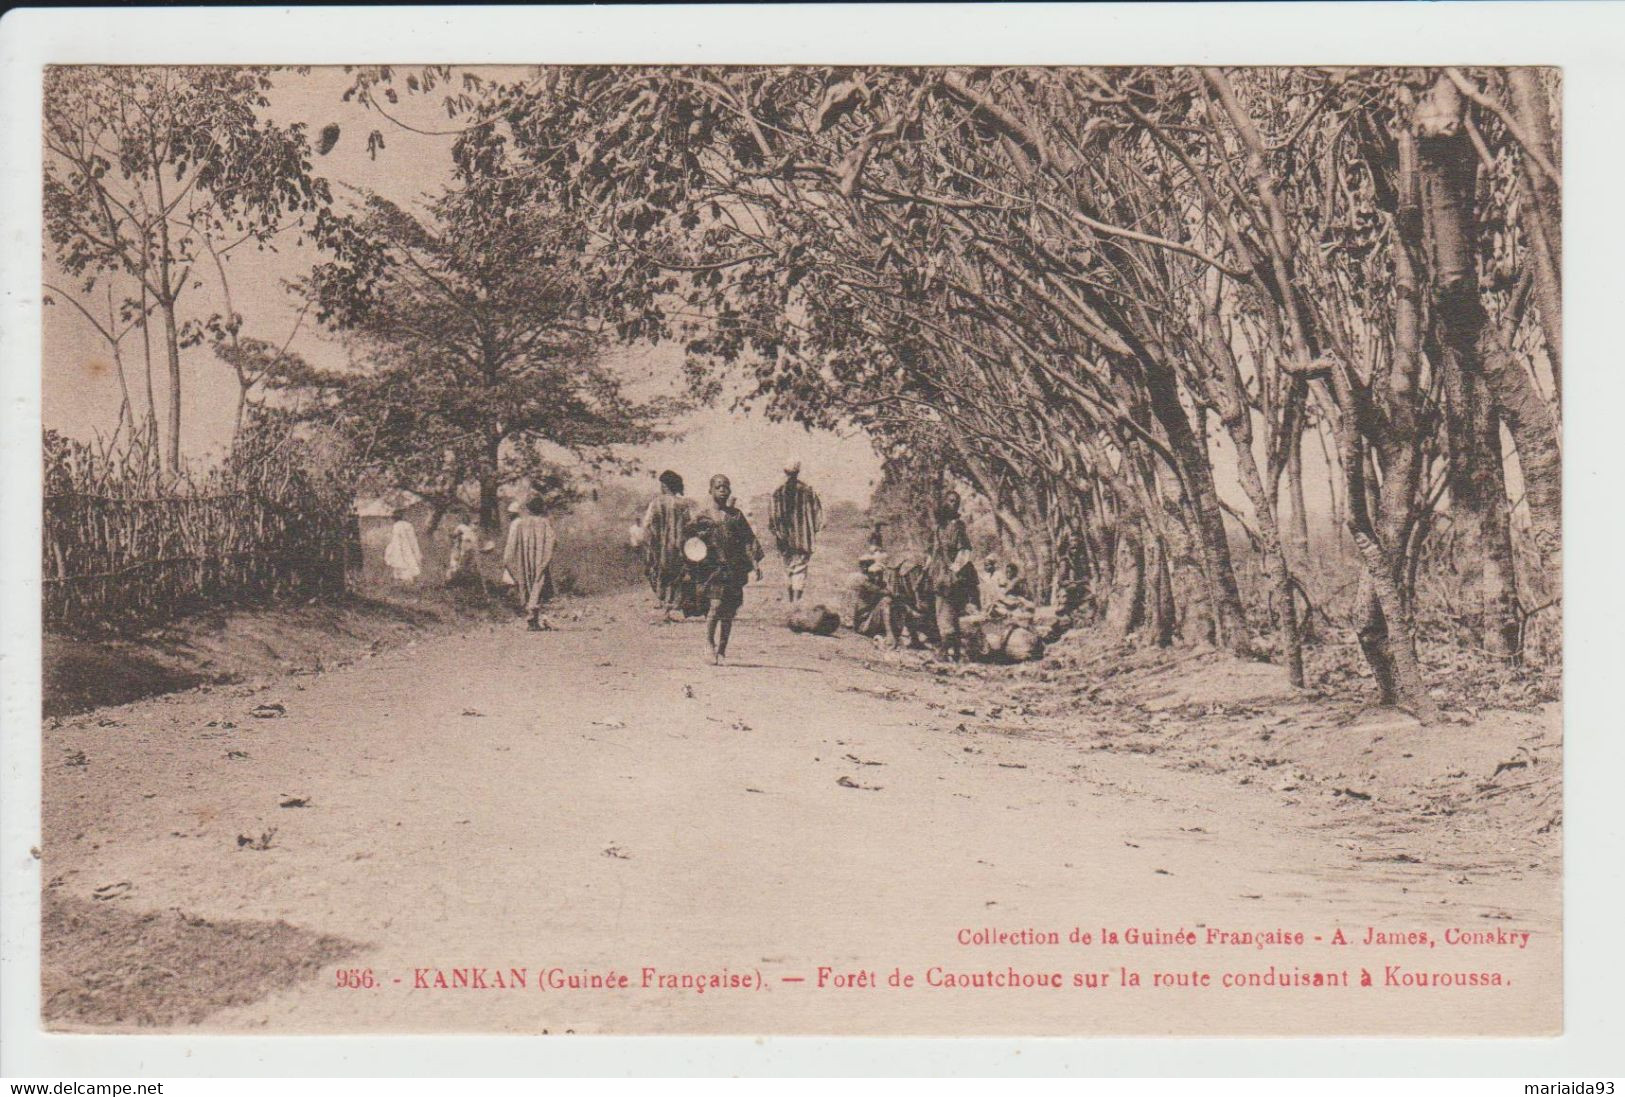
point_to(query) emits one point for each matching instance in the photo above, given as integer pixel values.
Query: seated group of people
(1002, 586)
(891, 599)
(894, 599)
(1009, 626)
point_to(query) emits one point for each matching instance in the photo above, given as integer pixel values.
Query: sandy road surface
(601, 798)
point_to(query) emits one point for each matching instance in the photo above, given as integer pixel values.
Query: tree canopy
(480, 356)
(150, 171)
(1065, 280)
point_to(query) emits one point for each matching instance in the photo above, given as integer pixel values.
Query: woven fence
(126, 546)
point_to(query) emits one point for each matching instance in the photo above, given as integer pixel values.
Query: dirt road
(600, 799)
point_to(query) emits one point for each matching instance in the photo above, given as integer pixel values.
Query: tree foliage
(1065, 284)
(479, 351)
(150, 171)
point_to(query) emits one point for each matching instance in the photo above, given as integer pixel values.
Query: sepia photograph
(797, 549)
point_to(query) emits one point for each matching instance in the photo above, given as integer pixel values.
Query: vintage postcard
(745, 549)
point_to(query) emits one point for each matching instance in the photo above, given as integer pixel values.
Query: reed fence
(125, 545)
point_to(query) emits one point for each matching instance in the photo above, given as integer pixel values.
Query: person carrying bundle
(730, 554)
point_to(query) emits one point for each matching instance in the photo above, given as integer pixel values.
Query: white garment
(402, 555)
(507, 576)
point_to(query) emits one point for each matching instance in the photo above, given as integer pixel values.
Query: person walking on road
(797, 516)
(528, 557)
(663, 530)
(732, 554)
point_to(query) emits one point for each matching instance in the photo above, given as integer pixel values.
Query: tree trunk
(1521, 408)
(1038, 545)
(1162, 612)
(1125, 604)
(1328, 454)
(1529, 420)
(1196, 477)
(242, 404)
(1286, 603)
(126, 410)
(1229, 394)
(489, 470)
(1380, 518)
(243, 382)
(153, 440)
(490, 505)
(1540, 213)
(1478, 499)
(172, 351)
(1297, 521)
(1098, 548)
(1373, 635)
(1448, 169)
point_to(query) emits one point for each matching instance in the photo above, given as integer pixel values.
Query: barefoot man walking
(662, 530)
(797, 516)
(527, 556)
(732, 554)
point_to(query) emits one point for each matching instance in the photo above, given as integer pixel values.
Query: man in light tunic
(991, 582)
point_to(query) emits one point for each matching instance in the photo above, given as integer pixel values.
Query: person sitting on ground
(1009, 596)
(462, 561)
(528, 556)
(990, 582)
(874, 606)
(892, 598)
(1015, 584)
(913, 603)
